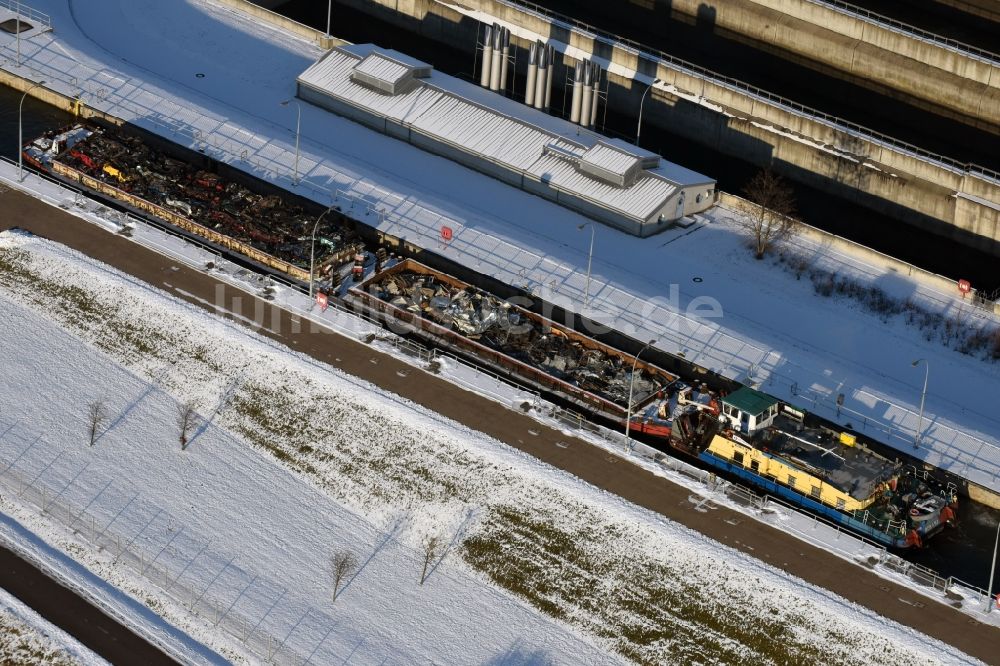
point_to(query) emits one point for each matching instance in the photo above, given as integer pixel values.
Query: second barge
(746, 434)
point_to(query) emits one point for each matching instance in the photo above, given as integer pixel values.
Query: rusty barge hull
(364, 296)
(186, 224)
(205, 200)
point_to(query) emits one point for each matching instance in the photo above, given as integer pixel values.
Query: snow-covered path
(237, 530)
(215, 80)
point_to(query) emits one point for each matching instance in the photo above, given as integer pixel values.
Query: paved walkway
(579, 458)
(75, 615)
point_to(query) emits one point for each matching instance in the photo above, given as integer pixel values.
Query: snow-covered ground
(208, 77)
(292, 461)
(28, 638)
(704, 485)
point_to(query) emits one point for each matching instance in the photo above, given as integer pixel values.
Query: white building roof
(379, 67)
(610, 174)
(610, 159)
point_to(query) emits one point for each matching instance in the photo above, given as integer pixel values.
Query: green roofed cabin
(748, 410)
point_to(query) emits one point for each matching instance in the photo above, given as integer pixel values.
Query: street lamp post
(993, 567)
(923, 395)
(638, 129)
(312, 252)
(298, 126)
(329, 10)
(20, 131)
(631, 385)
(590, 259)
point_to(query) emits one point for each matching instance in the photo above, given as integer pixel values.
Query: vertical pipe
(574, 109)
(529, 88)
(588, 89)
(495, 65)
(505, 51)
(596, 95)
(548, 76)
(543, 66)
(484, 75)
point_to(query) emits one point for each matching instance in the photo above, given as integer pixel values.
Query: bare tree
(186, 413)
(768, 212)
(97, 414)
(344, 564)
(432, 545)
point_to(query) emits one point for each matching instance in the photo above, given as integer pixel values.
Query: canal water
(963, 552)
(37, 117)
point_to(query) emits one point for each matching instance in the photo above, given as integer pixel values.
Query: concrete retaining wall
(737, 122)
(53, 98)
(865, 254)
(261, 11)
(931, 74)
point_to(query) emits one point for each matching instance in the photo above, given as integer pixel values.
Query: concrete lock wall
(262, 10)
(929, 74)
(53, 98)
(885, 178)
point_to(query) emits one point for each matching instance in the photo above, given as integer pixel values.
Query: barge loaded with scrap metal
(745, 434)
(267, 229)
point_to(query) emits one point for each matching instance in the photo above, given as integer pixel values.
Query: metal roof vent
(392, 77)
(616, 164)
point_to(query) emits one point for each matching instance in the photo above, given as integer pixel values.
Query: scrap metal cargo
(510, 338)
(267, 229)
(746, 434)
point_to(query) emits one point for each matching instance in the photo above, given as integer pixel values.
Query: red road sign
(322, 300)
(446, 233)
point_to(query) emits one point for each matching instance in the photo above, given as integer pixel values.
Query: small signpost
(446, 233)
(322, 300)
(965, 287)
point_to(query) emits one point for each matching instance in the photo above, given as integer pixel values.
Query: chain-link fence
(117, 521)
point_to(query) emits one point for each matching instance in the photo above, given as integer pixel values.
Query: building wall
(507, 175)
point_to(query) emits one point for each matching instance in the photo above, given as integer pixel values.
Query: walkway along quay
(251, 224)
(408, 205)
(934, 192)
(535, 263)
(597, 466)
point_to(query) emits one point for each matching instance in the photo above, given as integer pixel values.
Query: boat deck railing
(27, 13)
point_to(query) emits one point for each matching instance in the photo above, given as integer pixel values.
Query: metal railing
(686, 67)
(229, 142)
(166, 568)
(612, 440)
(28, 12)
(905, 28)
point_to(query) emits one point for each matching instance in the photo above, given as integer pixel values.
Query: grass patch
(649, 595)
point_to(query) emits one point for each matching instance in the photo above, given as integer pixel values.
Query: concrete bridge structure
(957, 200)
